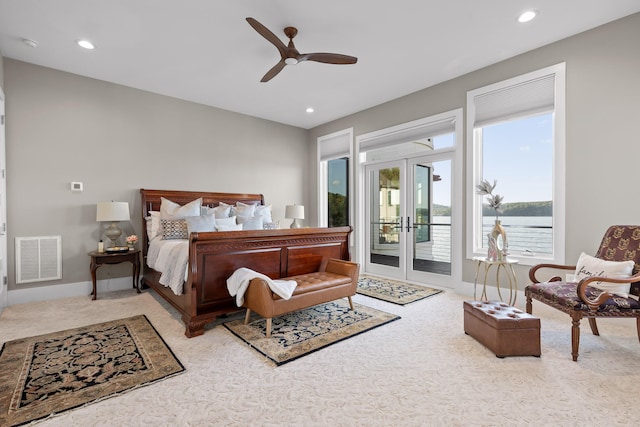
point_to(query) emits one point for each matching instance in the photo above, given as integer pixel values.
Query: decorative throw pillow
(174, 229)
(234, 227)
(201, 223)
(172, 210)
(251, 223)
(590, 266)
(153, 224)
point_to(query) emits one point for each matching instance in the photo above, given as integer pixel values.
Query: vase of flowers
(497, 238)
(131, 241)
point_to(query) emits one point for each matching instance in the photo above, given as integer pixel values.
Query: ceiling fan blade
(273, 71)
(267, 34)
(328, 58)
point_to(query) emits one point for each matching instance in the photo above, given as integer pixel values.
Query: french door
(408, 213)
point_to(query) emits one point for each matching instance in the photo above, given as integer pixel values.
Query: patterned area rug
(302, 332)
(47, 374)
(393, 291)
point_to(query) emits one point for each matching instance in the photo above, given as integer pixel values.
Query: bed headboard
(151, 199)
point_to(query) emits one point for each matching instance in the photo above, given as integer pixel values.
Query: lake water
(533, 233)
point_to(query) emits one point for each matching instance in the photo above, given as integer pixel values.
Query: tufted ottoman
(503, 329)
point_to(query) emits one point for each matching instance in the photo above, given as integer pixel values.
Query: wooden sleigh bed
(214, 256)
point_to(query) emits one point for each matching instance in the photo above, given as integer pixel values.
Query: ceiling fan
(290, 55)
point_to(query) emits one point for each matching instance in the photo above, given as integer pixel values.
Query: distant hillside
(522, 209)
(508, 209)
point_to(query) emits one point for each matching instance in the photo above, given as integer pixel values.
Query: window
(515, 130)
(338, 192)
(334, 170)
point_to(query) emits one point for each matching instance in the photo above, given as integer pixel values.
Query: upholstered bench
(503, 329)
(335, 279)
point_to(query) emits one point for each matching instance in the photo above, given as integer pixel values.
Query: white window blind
(518, 99)
(417, 131)
(334, 147)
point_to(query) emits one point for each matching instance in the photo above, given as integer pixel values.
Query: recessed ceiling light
(527, 16)
(85, 44)
(30, 43)
(309, 110)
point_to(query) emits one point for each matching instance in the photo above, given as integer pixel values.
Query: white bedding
(170, 258)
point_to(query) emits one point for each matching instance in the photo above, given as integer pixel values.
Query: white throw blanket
(170, 258)
(238, 283)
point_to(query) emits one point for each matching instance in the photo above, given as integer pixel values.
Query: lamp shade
(112, 211)
(294, 212)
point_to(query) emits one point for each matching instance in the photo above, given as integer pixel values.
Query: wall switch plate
(76, 186)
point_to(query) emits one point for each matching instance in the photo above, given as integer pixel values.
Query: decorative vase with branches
(497, 239)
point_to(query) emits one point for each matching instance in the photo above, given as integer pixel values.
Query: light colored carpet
(419, 370)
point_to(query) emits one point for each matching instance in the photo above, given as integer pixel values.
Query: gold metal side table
(506, 265)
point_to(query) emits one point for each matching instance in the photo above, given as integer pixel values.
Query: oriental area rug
(302, 332)
(393, 291)
(48, 374)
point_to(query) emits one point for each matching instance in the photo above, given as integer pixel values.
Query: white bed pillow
(265, 212)
(201, 223)
(226, 222)
(590, 266)
(220, 211)
(234, 227)
(251, 223)
(172, 210)
(153, 224)
(243, 210)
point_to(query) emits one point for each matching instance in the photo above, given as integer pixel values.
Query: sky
(518, 154)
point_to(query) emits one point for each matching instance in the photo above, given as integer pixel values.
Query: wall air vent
(38, 259)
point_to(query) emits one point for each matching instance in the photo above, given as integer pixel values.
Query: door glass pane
(338, 196)
(385, 216)
(432, 217)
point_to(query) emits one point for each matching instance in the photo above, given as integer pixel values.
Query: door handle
(409, 226)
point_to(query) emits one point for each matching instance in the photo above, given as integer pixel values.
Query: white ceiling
(204, 50)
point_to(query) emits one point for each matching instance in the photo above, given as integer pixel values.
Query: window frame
(323, 173)
(474, 148)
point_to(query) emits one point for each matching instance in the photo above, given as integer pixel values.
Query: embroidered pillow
(172, 210)
(174, 229)
(201, 223)
(590, 266)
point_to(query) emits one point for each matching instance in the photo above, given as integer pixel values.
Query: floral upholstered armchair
(607, 285)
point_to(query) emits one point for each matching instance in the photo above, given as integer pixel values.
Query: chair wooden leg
(594, 327)
(351, 305)
(269, 327)
(246, 316)
(575, 334)
(528, 308)
(638, 327)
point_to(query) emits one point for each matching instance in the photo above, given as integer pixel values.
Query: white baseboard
(46, 293)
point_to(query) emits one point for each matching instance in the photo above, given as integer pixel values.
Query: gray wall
(115, 140)
(603, 110)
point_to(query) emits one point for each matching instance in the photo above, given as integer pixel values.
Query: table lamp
(295, 212)
(112, 212)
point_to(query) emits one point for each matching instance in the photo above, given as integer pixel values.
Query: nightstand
(101, 258)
